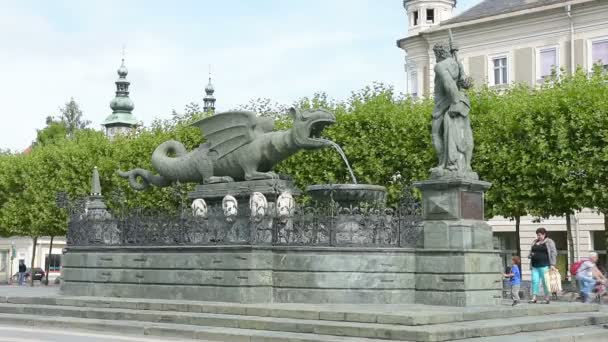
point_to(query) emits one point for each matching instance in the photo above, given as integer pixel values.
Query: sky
(51, 51)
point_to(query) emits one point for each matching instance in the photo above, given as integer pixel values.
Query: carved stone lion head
(199, 208)
(258, 205)
(285, 206)
(230, 207)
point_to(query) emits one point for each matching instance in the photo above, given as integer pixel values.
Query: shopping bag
(554, 280)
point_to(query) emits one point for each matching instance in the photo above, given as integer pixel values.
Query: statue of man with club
(451, 129)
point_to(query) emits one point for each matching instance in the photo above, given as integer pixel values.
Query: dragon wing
(225, 132)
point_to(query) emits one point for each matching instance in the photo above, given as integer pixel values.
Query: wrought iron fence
(328, 225)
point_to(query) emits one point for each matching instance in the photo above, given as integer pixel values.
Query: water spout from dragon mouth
(341, 152)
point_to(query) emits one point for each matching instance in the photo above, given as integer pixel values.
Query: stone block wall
(246, 274)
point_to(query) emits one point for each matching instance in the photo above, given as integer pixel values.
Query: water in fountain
(341, 152)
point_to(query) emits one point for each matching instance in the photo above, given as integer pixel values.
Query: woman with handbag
(543, 256)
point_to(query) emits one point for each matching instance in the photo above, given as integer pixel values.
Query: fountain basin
(348, 194)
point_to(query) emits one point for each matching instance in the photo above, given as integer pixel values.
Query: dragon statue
(239, 146)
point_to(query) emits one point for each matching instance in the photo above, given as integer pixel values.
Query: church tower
(121, 120)
(423, 14)
(209, 100)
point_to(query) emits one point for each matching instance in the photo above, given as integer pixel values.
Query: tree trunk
(571, 246)
(517, 240)
(47, 267)
(35, 238)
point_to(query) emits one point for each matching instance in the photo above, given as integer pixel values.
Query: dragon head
(309, 125)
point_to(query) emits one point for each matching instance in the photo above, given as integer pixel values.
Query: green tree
(265, 107)
(72, 117)
(54, 132)
(500, 155)
(558, 130)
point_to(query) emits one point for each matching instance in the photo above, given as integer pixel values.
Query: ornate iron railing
(327, 225)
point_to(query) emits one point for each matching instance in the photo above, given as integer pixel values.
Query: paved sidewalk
(28, 291)
(41, 334)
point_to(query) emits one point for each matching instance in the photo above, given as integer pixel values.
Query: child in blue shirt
(515, 276)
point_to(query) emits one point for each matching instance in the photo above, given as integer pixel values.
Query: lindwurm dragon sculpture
(239, 146)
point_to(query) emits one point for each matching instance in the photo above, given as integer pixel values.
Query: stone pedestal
(457, 265)
(242, 224)
(271, 188)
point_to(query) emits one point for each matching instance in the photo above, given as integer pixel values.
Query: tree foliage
(72, 117)
(545, 151)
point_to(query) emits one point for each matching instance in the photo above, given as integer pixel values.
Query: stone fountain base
(244, 274)
(273, 274)
(310, 258)
(347, 195)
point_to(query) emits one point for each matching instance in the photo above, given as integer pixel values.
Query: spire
(121, 118)
(122, 103)
(95, 206)
(95, 185)
(209, 100)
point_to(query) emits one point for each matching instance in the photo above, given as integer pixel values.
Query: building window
(547, 61)
(414, 84)
(4, 260)
(430, 16)
(53, 261)
(500, 70)
(416, 18)
(599, 53)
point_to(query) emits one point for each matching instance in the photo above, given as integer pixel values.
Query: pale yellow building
(502, 42)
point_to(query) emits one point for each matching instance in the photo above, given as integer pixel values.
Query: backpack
(574, 267)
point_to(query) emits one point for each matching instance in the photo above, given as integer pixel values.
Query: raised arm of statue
(464, 81)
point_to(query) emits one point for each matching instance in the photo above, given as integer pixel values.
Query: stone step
(523, 326)
(171, 330)
(406, 314)
(593, 333)
(438, 332)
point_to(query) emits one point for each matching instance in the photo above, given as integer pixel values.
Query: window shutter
(477, 70)
(579, 53)
(524, 64)
(425, 81)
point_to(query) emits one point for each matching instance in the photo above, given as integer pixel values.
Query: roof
(489, 8)
(126, 119)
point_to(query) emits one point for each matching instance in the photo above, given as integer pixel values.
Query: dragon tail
(147, 178)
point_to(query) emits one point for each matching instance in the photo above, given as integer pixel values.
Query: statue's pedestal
(457, 265)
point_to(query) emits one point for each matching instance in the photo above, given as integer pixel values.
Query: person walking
(22, 269)
(515, 275)
(543, 255)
